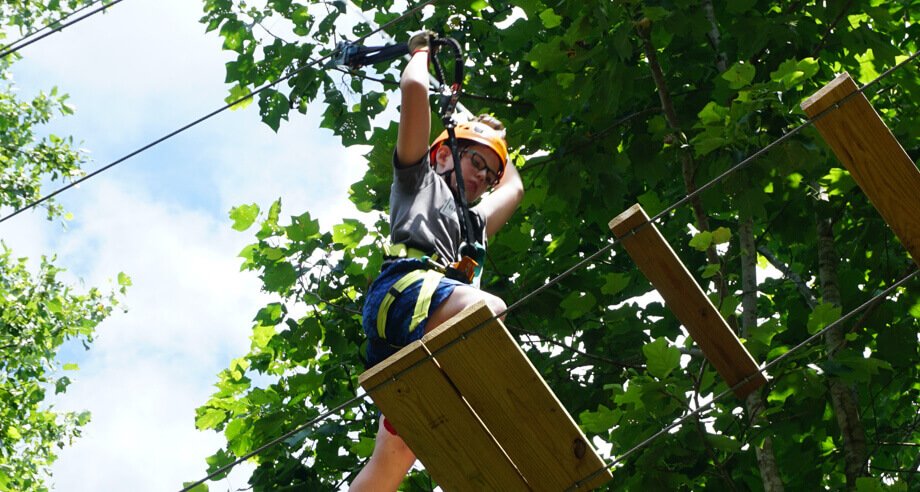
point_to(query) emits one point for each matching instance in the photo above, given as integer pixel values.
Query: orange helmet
(481, 133)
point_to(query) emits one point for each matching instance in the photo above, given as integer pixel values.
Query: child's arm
(499, 205)
(414, 112)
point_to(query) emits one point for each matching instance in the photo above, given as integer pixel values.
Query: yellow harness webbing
(430, 280)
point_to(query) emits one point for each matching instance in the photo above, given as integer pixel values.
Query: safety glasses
(479, 163)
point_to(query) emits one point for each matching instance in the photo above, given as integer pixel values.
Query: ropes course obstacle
(875, 159)
(684, 297)
(478, 414)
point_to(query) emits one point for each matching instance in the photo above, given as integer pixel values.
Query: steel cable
(205, 117)
(589, 259)
(25, 41)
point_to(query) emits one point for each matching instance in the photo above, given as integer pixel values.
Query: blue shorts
(400, 313)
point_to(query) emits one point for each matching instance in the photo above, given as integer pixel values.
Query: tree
(38, 311)
(608, 104)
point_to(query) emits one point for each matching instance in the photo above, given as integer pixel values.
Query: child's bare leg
(462, 297)
(388, 465)
(392, 458)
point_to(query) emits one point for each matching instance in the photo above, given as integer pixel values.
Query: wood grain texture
(439, 427)
(875, 159)
(684, 297)
(514, 402)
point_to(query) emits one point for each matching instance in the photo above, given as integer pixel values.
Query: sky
(141, 70)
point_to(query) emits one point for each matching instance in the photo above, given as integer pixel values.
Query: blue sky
(141, 70)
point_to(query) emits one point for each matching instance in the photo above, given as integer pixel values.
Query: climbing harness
(471, 251)
(430, 280)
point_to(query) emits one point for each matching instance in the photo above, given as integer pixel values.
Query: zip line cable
(463, 336)
(25, 41)
(744, 381)
(205, 117)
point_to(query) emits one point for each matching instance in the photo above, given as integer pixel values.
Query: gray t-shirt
(423, 214)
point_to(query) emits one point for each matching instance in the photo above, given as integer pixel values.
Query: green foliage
(26, 159)
(581, 100)
(38, 312)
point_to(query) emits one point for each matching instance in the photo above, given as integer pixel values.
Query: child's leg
(392, 458)
(462, 297)
(388, 465)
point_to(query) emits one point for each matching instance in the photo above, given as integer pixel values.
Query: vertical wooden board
(508, 394)
(686, 300)
(875, 159)
(438, 425)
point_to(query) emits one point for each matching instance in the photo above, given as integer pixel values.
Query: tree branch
(830, 27)
(791, 275)
(688, 168)
(605, 360)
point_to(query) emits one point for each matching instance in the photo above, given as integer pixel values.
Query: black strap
(448, 105)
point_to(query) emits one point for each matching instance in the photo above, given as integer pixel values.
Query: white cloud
(141, 70)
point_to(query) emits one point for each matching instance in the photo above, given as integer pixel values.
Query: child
(424, 222)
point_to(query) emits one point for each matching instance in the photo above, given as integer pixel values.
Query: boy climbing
(411, 296)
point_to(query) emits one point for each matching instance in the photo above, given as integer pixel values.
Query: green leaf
(261, 335)
(71, 367)
(202, 487)
(363, 447)
(701, 240)
(655, 13)
(54, 306)
(915, 309)
(60, 386)
(598, 422)
(713, 114)
(243, 216)
(210, 418)
(273, 107)
(124, 280)
(739, 75)
(724, 443)
(565, 79)
(577, 304)
(661, 358)
(651, 203)
(721, 235)
(240, 97)
(711, 270)
(13, 433)
(547, 56)
(823, 315)
(550, 19)
(279, 277)
(614, 283)
(349, 233)
(793, 72)
(870, 484)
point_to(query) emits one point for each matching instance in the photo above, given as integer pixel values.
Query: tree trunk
(688, 169)
(766, 459)
(843, 396)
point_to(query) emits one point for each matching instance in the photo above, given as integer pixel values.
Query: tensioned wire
(209, 115)
(25, 41)
(463, 336)
(744, 381)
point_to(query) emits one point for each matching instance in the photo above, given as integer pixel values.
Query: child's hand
(421, 41)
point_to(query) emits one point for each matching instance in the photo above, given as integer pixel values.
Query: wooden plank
(512, 399)
(686, 300)
(438, 425)
(875, 159)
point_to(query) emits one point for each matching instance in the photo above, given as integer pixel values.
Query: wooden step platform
(478, 415)
(684, 297)
(875, 159)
